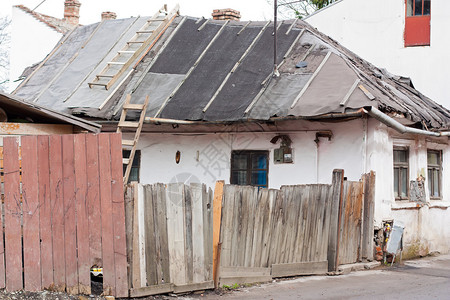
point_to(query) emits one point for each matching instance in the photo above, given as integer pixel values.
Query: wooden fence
(63, 197)
(180, 239)
(297, 230)
(169, 230)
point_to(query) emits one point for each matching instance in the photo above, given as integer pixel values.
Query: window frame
(438, 166)
(417, 31)
(401, 165)
(136, 164)
(249, 167)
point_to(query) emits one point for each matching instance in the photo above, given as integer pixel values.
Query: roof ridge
(60, 25)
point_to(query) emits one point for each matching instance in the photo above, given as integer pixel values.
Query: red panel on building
(417, 31)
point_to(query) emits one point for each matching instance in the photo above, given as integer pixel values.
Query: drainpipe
(383, 118)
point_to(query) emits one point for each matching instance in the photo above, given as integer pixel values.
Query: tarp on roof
(208, 70)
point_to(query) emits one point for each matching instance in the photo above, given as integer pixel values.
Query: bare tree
(299, 9)
(5, 39)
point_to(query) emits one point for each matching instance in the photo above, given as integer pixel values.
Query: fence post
(368, 215)
(217, 213)
(333, 236)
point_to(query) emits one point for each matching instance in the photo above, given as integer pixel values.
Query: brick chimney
(72, 12)
(226, 14)
(109, 15)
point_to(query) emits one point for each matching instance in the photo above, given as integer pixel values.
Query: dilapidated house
(220, 107)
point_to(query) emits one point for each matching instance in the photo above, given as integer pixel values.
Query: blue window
(250, 168)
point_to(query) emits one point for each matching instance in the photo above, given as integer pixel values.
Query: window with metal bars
(434, 158)
(401, 173)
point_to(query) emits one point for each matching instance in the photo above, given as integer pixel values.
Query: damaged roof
(221, 71)
(30, 112)
(56, 24)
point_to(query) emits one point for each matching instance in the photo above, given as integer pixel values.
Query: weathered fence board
(57, 204)
(93, 201)
(13, 243)
(70, 238)
(30, 206)
(118, 214)
(106, 208)
(55, 213)
(80, 161)
(334, 216)
(45, 210)
(369, 207)
(351, 216)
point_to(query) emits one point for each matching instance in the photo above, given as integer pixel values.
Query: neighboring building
(217, 112)
(18, 117)
(407, 37)
(34, 35)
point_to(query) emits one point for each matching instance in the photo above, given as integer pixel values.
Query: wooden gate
(65, 193)
(169, 231)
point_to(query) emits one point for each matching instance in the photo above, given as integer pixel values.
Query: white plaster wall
(375, 31)
(31, 41)
(426, 227)
(214, 151)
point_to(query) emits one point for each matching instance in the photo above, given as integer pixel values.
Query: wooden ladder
(123, 123)
(141, 40)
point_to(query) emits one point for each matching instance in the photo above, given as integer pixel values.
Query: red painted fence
(63, 195)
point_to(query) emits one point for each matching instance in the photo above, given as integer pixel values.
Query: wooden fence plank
(30, 207)
(129, 211)
(258, 227)
(13, 243)
(157, 228)
(141, 235)
(208, 231)
(250, 204)
(161, 215)
(70, 228)
(106, 211)
(175, 231)
(80, 160)
(57, 204)
(93, 201)
(45, 212)
(226, 226)
(277, 223)
(217, 221)
(150, 245)
(301, 223)
(267, 228)
(118, 208)
(188, 243)
(136, 260)
(198, 233)
(333, 237)
(368, 215)
(300, 268)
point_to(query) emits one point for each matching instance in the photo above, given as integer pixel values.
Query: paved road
(427, 278)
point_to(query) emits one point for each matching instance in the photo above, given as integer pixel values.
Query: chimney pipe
(226, 14)
(109, 15)
(72, 12)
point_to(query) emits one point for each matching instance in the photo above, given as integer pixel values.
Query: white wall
(214, 150)
(426, 227)
(375, 31)
(31, 41)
